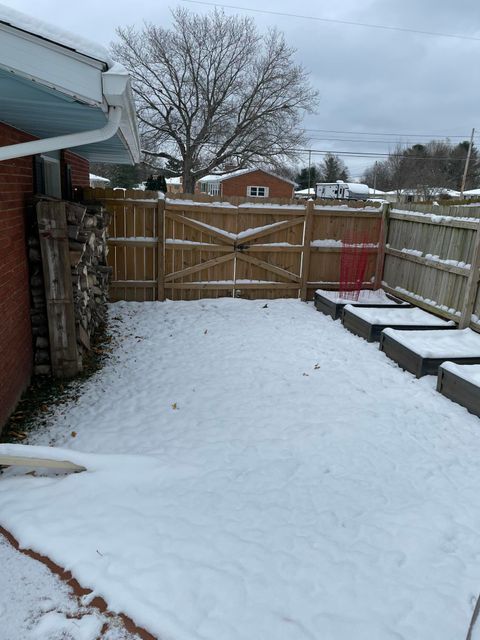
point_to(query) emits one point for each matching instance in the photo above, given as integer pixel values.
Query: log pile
(87, 241)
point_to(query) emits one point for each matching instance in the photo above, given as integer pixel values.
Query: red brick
(16, 186)
(16, 190)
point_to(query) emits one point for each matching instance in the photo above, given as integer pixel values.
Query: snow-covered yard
(257, 472)
(36, 605)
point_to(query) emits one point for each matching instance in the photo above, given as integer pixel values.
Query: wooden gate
(243, 251)
(189, 249)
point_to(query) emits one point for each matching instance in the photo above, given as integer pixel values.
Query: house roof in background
(55, 83)
(221, 177)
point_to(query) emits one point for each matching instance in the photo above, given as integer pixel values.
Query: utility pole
(467, 162)
(309, 169)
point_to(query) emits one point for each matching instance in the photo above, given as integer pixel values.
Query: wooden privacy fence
(188, 249)
(432, 257)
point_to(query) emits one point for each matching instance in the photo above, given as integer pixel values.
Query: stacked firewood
(87, 243)
(87, 234)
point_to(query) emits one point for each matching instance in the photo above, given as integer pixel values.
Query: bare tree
(213, 92)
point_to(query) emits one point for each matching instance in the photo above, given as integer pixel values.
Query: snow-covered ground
(256, 472)
(35, 604)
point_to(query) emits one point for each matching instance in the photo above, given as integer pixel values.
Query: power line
(402, 142)
(374, 133)
(372, 154)
(333, 21)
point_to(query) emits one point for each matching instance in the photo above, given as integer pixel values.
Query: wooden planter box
(457, 388)
(371, 329)
(335, 309)
(411, 358)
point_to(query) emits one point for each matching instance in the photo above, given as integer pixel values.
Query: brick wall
(237, 186)
(16, 185)
(80, 169)
(16, 191)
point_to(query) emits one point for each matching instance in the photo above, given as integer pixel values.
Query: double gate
(189, 249)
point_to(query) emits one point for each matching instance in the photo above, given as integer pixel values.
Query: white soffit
(51, 65)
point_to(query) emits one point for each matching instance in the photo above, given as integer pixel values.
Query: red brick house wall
(80, 169)
(16, 190)
(16, 186)
(237, 185)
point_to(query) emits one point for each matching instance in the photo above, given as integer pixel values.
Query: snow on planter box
(422, 352)
(331, 303)
(369, 322)
(461, 383)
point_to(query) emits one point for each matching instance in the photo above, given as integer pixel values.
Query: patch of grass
(46, 392)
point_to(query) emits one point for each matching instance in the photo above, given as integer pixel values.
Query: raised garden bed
(461, 383)
(422, 352)
(369, 322)
(331, 304)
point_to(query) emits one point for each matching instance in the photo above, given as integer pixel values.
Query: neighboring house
(63, 103)
(252, 183)
(98, 181)
(174, 185)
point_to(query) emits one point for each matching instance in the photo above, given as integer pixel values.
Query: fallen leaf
(74, 434)
(174, 406)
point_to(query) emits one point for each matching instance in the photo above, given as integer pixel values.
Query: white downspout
(64, 142)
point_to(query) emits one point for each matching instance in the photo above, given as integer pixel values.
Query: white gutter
(66, 141)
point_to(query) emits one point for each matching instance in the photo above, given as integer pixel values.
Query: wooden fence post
(382, 243)
(52, 226)
(307, 249)
(161, 250)
(471, 288)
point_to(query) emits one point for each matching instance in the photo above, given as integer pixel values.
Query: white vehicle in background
(341, 190)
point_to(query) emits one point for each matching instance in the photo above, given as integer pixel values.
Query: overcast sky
(371, 81)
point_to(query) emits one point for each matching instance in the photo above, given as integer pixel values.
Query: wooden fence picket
(190, 248)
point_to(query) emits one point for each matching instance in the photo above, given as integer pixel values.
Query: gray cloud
(370, 80)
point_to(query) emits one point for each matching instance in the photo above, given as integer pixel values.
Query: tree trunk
(188, 180)
(188, 184)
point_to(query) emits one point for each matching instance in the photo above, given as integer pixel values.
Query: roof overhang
(51, 89)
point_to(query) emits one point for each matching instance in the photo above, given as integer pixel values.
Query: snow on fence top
(434, 217)
(373, 207)
(457, 210)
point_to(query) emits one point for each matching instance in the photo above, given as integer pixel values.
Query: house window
(212, 188)
(257, 192)
(47, 175)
